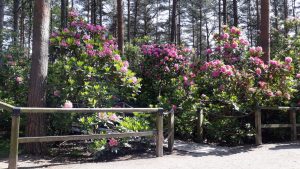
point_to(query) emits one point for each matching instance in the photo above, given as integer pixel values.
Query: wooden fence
(258, 124)
(16, 111)
(293, 122)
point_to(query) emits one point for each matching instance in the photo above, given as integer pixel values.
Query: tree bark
(63, 14)
(275, 2)
(16, 21)
(224, 12)
(135, 18)
(257, 21)
(93, 12)
(100, 12)
(38, 74)
(235, 13)
(179, 24)
(173, 22)
(120, 26)
(29, 27)
(286, 13)
(128, 21)
(265, 29)
(2, 5)
(220, 17)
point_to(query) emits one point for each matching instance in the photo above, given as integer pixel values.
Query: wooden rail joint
(16, 111)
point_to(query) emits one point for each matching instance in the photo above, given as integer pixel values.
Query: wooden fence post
(171, 130)
(15, 125)
(160, 134)
(258, 137)
(199, 124)
(294, 126)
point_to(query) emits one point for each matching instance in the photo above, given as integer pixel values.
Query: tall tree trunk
(294, 15)
(93, 12)
(128, 21)
(275, 3)
(120, 26)
(286, 13)
(179, 23)
(100, 12)
(257, 21)
(29, 27)
(207, 38)
(38, 74)
(136, 7)
(22, 24)
(16, 21)
(235, 13)
(225, 12)
(63, 14)
(265, 29)
(220, 17)
(200, 28)
(173, 22)
(2, 5)
(88, 10)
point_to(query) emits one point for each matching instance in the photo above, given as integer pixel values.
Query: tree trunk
(100, 12)
(235, 13)
(200, 28)
(294, 15)
(179, 24)
(128, 21)
(120, 26)
(257, 21)
(275, 2)
(16, 21)
(173, 22)
(22, 25)
(29, 27)
(63, 14)
(286, 13)
(39, 67)
(2, 5)
(265, 29)
(93, 12)
(224, 12)
(135, 18)
(207, 38)
(220, 17)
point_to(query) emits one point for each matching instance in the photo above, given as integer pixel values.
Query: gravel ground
(190, 156)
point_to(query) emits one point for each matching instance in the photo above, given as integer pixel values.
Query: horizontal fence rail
(293, 122)
(17, 111)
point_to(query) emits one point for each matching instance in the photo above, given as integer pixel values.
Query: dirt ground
(186, 156)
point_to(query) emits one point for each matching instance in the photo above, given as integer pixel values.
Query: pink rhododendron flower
(124, 69)
(134, 80)
(117, 58)
(113, 142)
(68, 104)
(86, 37)
(225, 36)
(288, 60)
(19, 79)
(64, 43)
(258, 49)
(258, 71)
(185, 78)
(208, 51)
(274, 63)
(298, 76)
(176, 66)
(77, 42)
(113, 117)
(252, 51)
(262, 84)
(234, 45)
(89, 46)
(215, 73)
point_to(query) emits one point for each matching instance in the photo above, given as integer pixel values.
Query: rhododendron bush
(87, 68)
(165, 71)
(239, 76)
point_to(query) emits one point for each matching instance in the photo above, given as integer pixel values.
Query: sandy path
(194, 156)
